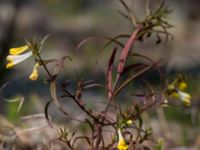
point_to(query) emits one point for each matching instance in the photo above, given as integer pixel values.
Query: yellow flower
(129, 122)
(121, 143)
(185, 98)
(182, 85)
(18, 50)
(176, 90)
(34, 74)
(19, 54)
(15, 55)
(175, 95)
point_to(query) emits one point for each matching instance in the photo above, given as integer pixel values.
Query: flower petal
(185, 98)
(182, 85)
(18, 50)
(121, 143)
(187, 102)
(34, 74)
(184, 95)
(15, 59)
(129, 122)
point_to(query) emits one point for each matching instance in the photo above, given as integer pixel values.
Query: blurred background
(69, 22)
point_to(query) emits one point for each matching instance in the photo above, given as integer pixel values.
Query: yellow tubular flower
(10, 64)
(34, 74)
(19, 54)
(185, 98)
(175, 95)
(18, 50)
(187, 102)
(16, 57)
(121, 143)
(182, 85)
(129, 122)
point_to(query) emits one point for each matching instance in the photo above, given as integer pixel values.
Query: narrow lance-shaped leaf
(46, 113)
(109, 73)
(130, 14)
(135, 67)
(110, 40)
(60, 65)
(43, 41)
(125, 53)
(90, 84)
(132, 77)
(55, 98)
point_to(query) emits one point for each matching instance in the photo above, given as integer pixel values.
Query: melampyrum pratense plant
(126, 127)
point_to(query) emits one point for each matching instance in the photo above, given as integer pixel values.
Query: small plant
(126, 126)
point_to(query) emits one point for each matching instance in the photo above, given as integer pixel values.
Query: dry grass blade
(18, 99)
(83, 42)
(90, 83)
(3, 87)
(31, 129)
(93, 85)
(32, 117)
